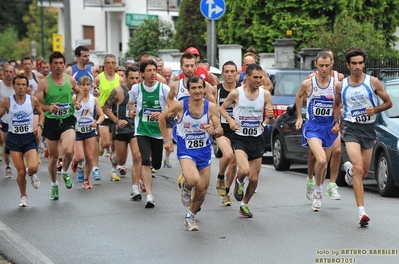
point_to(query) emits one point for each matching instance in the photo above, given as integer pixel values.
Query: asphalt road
(103, 225)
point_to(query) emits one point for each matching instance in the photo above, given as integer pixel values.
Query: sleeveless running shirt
(106, 87)
(320, 102)
(121, 111)
(77, 73)
(61, 94)
(84, 116)
(5, 92)
(356, 99)
(20, 116)
(249, 113)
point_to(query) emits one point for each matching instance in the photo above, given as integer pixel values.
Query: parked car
(287, 144)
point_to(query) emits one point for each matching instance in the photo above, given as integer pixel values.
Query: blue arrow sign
(212, 9)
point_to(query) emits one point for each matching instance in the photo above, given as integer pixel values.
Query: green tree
(258, 23)
(190, 27)
(349, 32)
(150, 36)
(10, 46)
(32, 20)
(11, 13)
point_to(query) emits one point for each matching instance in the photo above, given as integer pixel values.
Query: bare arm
(337, 107)
(269, 108)
(172, 94)
(214, 80)
(209, 93)
(36, 106)
(40, 93)
(68, 71)
(216, 128)
(303, 91)
(111, 100)
(175, 109)
(4, 105)
(382, 94)
(99, 111)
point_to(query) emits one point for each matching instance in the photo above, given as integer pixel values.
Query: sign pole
(213, 43)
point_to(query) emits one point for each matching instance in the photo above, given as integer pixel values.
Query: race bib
(224, 120)
(147, 115)
(195, 140)
(20, 126)
(360, 116)
(63, 110)
(84, 127)
(323, 108)
(250, 128)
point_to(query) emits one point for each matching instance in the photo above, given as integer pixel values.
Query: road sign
(83, 42)
(212, 9)
(33, 47)
(57, 43)
(134, 20)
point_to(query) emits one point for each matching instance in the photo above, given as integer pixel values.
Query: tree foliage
(150, 36)
(33, 22)
(348, 32)
(258, 23)
(10, 46)
(190, 27)
(11, 12)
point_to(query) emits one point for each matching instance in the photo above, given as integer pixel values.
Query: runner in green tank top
(55, 95)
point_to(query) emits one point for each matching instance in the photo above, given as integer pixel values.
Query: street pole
(213, 45)
(42, 28)
(67, 33)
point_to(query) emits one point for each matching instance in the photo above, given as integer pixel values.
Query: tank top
(333, 74)
(249, 113)
(200, 72)
(85, 116)
(320, 102)
(190, 132)
(121, 112)
(356, 99)
(33, 83)
(221, 96)
(148, 103)
(182, 92)
(5, 92)
(20, 116)
(106, 87)
(61, 94)
(77, 73)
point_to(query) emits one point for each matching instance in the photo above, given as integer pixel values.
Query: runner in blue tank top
(192, 134)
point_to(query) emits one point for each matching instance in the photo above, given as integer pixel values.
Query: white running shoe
(363, 219)
(332, 191)
(309, 188)
(316, 201)
(23, 202)
(150, 202)
(347, 167)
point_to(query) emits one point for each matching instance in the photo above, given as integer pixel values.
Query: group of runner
(79, 111)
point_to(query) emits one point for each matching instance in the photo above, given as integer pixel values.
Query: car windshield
(393, 92)
(288, 84)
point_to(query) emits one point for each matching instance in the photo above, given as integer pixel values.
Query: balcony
(104, 3)
(51, 3)
(163, 5)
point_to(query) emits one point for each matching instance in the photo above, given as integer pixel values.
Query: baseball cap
(193, 51)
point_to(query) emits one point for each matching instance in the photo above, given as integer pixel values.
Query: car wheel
(280, 162)
(216, 151)
(385, 183)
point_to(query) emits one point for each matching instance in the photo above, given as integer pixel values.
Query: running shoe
(23, 202)
(108, 152)
(34, 180)
(316, 201)
(8, 172)
(244, 212)
(59, 166)
(238, 191)
(86, 184)
(166, 164)
(179, 179)
(54, 193)
(226, 200)
(39, 160)
(309, 188)
(220, 187)
(185, 194)
(81, 174)
(332, 191)
(347, 167)
(190, 223)
(74, 166)
(113, 160)
(114, 176)
(68, 182)
(363, 219)
(142, 186)
(153, 172)
(136, 196)
(100, 151)
(150, 202)
(97, 174)
(122, 171)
